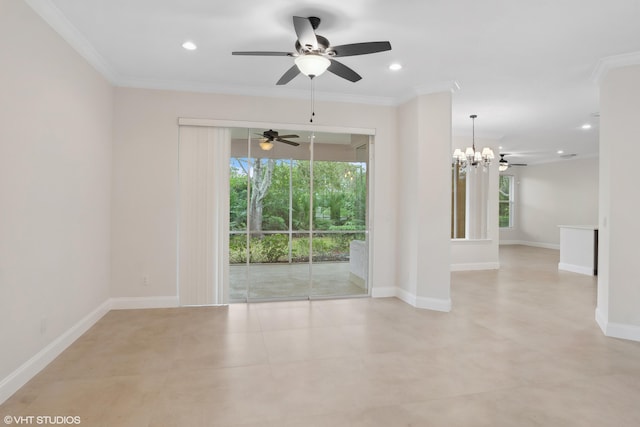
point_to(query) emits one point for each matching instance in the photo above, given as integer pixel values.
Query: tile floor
(520, 348)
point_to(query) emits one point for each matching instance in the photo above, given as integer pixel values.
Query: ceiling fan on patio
(269, 136)
(504, 164)
(314, 54)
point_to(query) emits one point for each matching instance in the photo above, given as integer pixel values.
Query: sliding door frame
(183, 121)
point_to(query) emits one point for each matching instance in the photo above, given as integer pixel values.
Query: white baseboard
(601, 320)
(534, 244)
(19, 377)
(476, 266)
(509, 242)
(436, 304)
(383, 292)
(131, 303)
(406, 296)
(575, 268)
(617, 330)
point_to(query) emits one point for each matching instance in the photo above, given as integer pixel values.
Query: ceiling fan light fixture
(266, 145)
(312, 65)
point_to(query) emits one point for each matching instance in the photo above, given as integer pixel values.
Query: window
(505, 198)
(458, 203)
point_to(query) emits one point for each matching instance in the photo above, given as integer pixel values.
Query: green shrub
(274, 246)
(273, 223)
(237, 249)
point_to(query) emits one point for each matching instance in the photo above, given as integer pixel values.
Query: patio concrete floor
(284, 281)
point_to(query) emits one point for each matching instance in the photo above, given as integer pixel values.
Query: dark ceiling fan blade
(295, 144)
(361, 48)
(517, 164)
(262, 53)
(304, 31)
(343, 71)
(288, 136)
(289, 75)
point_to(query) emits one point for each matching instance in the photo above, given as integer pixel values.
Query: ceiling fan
(503, 164)
(272, 135)
(314, 54)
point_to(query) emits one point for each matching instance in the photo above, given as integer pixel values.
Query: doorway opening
(298, 215)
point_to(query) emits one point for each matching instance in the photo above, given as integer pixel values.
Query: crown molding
(608, 63)
(275, 92)
(452, 86)
(56, 19)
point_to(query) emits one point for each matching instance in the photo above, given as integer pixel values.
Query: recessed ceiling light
(500, 147)
(560, 152)
(586, 126)
(395, 66)
(189, 45)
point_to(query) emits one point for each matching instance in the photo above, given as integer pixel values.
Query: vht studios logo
(42, 420)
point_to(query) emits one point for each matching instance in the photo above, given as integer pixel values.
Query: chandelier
(471, 157)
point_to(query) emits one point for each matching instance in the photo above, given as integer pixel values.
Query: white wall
(618, 311)
(468, 254)
(552, 194)
(145, 176)
(55, 170)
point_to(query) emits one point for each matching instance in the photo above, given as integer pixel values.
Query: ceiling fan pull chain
(313, 100)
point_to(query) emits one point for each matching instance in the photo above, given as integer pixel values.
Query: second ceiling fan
(504, 164)
(272, 135)
(314, 54)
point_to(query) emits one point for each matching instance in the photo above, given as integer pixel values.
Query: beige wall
(552, 194)
(55, 171)
(145, 176)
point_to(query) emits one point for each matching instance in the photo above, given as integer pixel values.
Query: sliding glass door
(298, 215)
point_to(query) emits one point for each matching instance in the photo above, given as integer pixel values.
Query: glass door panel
(339, 238)
(273, 216)
(240, 166)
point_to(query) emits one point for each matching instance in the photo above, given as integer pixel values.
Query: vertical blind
(203, 215)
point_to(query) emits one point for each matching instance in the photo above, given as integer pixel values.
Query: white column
(424, 152)
(618, 309)
(476, 203)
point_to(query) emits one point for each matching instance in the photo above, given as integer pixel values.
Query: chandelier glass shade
(470, 156)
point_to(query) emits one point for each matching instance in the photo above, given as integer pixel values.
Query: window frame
(510, 202)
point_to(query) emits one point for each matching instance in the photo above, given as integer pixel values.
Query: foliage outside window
(505, 200)
(278, 205)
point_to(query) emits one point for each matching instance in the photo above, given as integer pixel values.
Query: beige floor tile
(301, 317)
(519, 348)
(306, 344)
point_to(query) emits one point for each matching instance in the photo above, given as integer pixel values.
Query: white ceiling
(525, 67)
